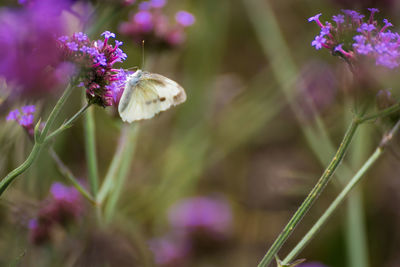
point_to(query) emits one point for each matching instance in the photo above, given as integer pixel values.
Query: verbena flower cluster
(24, 117)
(352, 35)
(64, 205)
(103, 83)
(150, 23)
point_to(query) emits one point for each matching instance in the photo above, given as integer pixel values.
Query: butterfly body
(146, 94)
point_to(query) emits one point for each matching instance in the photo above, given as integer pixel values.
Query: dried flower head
(103, 83)
(150, 23)
(352, 35)
(64, 205)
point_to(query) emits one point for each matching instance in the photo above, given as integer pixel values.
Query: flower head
(24, 117)
(211, 215)
(150, 23)
(368, 38)
(169, 250)
(96, 60)
(29, 54)
(64, 205)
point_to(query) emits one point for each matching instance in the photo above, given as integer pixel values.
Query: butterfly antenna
(142, 54)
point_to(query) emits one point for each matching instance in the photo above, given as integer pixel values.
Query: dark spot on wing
(151, 101)
(162, 99)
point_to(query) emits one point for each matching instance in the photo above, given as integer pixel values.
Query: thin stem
(39, 141)
(14, 174)
(64, 170)
(90, 148)
(313, 195)
(394, 108)
(341, 197)
(68, 123)
(300, 246)
(109, 180)
(123, 172)
(54, 112)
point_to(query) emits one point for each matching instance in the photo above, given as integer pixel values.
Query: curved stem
(27, 163)
(54, 113)
(341, 197)
(68, 123)
(68, 174)
(313, 195)
(39, 141)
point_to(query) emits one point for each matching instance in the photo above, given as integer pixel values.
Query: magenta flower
(63, 206)
(153, 26)
(24, 117)
(185, 18)
(169, 251)
(29, 54)
(372, 40)
(212, 215)
(96, 60)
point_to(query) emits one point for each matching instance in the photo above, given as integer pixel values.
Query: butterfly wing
(152, 94)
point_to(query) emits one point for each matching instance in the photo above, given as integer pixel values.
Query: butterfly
(147, 94)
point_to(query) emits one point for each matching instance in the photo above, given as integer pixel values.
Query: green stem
(313, 195)
(68, 174)
(122, 173)
(54, 113)
(90, 148)
(333, 206)
(109, 180)
(39, 141)
(341, 197)
(27, 163)
(68, 123)
(382, 113)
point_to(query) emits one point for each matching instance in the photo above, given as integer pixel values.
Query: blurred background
(213, 181)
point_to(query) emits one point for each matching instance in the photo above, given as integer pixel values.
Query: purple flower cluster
(24, 117)
(367, 38)
(150, 23)
(213, 216)
(29, 54)
(197, 223)
(63, 206)
(103, 83)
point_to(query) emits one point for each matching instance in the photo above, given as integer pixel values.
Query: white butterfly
(147, 94)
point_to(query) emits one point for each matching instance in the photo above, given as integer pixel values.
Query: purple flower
(314, 18)
(29, 52)
(338, 19)
(210, 214)
(324, 31)
(157, 3)
(373, 39)
(366, 27)
(108, 34)
(318, 42)
(373, 10)
(72, 46)
(13, 115)
(145, 20)
(169, 251)
(185, 18)
(24, 117)
(63, 206)
(96, 60)
(152, 25)
(145, 5)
